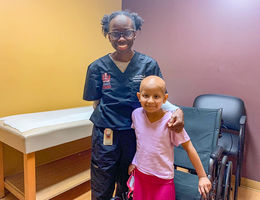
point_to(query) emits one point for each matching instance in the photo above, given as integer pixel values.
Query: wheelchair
(232, 127)
(203, 127)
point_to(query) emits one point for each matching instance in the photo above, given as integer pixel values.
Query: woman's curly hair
(136, 19)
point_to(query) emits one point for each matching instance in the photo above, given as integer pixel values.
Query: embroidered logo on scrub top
(138, 78)
(106, 81)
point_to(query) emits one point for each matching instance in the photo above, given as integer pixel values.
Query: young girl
(154, 157)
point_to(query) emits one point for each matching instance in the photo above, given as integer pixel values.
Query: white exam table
(29, 133)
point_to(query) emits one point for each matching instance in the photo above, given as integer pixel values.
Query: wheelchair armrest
(217, 152)
(242, 120)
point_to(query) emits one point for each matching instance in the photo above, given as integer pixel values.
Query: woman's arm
(169, 106)
(176, 123)
(95, 103)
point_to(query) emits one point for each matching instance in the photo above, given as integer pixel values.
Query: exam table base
(48, 180)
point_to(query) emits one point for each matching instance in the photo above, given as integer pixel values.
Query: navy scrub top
(117, 90)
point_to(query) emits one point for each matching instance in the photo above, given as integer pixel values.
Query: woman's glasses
(128, 34)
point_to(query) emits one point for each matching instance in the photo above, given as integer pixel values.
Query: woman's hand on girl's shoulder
(176, 123)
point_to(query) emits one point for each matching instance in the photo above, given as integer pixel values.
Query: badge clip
(108, 136)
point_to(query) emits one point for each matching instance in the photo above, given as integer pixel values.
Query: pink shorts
(148, 187)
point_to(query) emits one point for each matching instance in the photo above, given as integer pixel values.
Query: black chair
(233, 124)
(203, 127)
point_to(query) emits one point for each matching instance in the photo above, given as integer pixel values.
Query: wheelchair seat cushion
(187, 186)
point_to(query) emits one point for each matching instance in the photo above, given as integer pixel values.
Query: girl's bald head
(151, 81)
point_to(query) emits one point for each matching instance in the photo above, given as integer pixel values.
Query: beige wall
(45, 48)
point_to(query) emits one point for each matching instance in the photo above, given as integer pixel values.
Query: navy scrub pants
(109, 164)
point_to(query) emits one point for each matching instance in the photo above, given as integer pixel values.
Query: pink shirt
(155, 141)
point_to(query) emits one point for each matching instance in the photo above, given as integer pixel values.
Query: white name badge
(108, 136)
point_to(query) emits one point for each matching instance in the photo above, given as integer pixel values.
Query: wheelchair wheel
(221, 178)
(227, 184)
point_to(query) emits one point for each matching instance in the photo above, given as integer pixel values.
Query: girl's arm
(194, 158)
(131, 168)
(204, 182)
